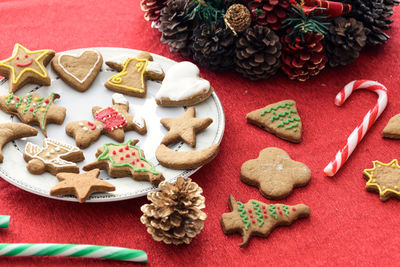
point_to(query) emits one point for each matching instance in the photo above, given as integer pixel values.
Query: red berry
(46, 100)
(133, 153)
(127, 155)
(114, 152)
(121, 149)
(126, 147)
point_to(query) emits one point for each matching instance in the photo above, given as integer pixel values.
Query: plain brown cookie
(280, 118)
(392, 128)
(34, 109)
(54, 157)
(125, 160)
(25, 66)
(80, 185)
(11, 131)
(79, 72)
(184, 128)
(255, 218)
(275, 173)
(133, 74)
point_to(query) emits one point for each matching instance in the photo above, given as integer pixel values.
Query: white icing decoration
(279, 167)
(24, 100)
(182, 81)
(100, 127)
(138, 120)
(52, 151)
(44, 104)
(12, 102)
(48, 155)
(57, 149)
(85, 128)
(90, 71)
(119, 99)
(81, 124)
(154, 67)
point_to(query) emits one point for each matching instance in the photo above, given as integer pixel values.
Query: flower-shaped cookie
(275, 173)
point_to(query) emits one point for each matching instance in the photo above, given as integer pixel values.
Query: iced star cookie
(255, 218)
(34, 109)
(25, 66)
(54, 157)
(125, 160)
(384, 178)
(183, 86)
(112, 121)
(274, 173)
(133, 74)
(280, 118)
(78, 71)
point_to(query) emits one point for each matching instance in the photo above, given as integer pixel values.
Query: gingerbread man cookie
(125, 160)
(255, 218)
(34, 109)
(112, 121)
(54, 157)
(275, 173)
(25, 66)
(133, 74)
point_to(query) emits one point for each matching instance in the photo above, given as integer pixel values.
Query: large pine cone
(175, 215)
(176, 27)
(303, 59)
(152, 9)
(269, 13)
(344, 41)
(213, 46)
(374, 14)
(257, 54)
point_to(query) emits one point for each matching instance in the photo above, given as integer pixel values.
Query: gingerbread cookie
(183, 86)
(384, 178)
(281, 119)
(82, 186)
(392, 129)
(11, 131)
(79, 71)
(124, 160)
(133, 74)
(275, 173)
(186, 159)
(54, 157)
(34, 109)
(184, 128)
(256, 218)
(25, 66)
(111, 121)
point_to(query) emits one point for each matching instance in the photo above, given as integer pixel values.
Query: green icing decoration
(243, 215)
(46, 109)
(37, 106)
(283, 114)
(292, 126)
(272, 211)
(104, 156)
(28, 103)
(19, 102)
(10, 96)
(288, 121)
(258, 212)
(285, 209)
(284, 105)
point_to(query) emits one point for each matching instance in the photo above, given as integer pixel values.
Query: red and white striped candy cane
(359, 132)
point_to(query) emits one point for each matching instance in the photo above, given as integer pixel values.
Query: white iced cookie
(183, 86)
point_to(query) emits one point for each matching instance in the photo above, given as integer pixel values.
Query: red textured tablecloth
(347, 225)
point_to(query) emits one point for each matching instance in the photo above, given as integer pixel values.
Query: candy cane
(70, 250)
(359, 132)
(4, 221)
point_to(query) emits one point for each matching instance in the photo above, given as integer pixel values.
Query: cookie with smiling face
(25, 66)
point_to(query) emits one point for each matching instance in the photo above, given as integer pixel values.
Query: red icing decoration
(280, 212)
(111, 118)
(121, 158)
(293, 208)
(127, 155)
(251, 216)
(265, 211)
(46, 101)
(26, 64)
(249, 210)
(17, 98)
(31, 109)
(132, 162)
(26, 56)
(263, 207)
(114, 152)
(92, 125)
(126, 147)
(120, 150)
(133, 153)
(278, 207)
(265, 216)
(253, 221)
(137, 159)
(17, 58)
(141, 165)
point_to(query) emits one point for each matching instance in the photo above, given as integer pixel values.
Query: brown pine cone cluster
(175, 215)
(269, 13)
(152, 10)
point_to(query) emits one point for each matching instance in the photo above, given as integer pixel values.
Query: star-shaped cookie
(25, 66)
(384, 178)
(80, 185)
(184, 128)
(275, 173)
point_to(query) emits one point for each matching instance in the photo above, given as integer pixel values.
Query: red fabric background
(347, 226)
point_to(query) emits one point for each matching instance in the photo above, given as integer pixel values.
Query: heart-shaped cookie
(79, 71)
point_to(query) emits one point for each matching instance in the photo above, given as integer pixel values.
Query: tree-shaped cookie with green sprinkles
(280, 118)
(125, 160)
(256, 218)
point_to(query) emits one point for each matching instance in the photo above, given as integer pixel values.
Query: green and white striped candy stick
(70, 250)
(4, 221)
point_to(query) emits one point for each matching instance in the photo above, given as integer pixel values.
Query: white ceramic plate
(79, 106)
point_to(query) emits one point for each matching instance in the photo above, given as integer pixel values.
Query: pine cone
(238, 18)
(374, 14)
(303, 59)
(152, 9)
(175, 215)
(345, 39)
(213, 46)
(257, 54)
(269, 13)
(176, 27)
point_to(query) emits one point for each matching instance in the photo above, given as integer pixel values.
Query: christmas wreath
(259, 37)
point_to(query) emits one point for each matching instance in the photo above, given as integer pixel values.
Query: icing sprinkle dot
(253, 221)
(249, 210)
(120, 150)
(137, 159)
(31, 109)
(133, 153)
(48, 155)
(141, 165)
(121, 158)
(132, 162)
(85, 128)
(265, 216)
(42, 110)
(126, 147)
(36, 99)
(46, 100)
(251, 216)
(280, 212)
(263, 206)
(114, 152)
(44, 104)
(25, 100)
(80, 124)
(52, 151)
(57, 149)
(265, 211)
(127, 155)
(294, 209)
(21, 107)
